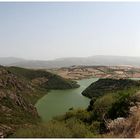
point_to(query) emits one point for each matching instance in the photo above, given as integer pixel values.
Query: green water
(57, 102)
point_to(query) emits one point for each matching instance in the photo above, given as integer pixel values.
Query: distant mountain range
(66, 62)
(9, 60)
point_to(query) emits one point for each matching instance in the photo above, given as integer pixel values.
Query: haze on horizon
(72, 29)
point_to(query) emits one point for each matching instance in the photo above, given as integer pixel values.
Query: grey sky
(53, 30)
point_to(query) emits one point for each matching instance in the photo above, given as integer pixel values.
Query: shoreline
(63, 100)
(47, 92)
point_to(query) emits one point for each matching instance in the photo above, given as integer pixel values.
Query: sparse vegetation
(70, 128)
(110, 99)
(80, 123)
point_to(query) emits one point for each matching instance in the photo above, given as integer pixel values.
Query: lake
(57, 102)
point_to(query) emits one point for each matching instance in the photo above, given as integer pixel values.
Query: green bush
(79, 114)
(95, 127)
(101, 106)
(78, 128)
(121, 107)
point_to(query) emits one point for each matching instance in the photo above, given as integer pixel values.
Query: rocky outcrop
(5, 130)
(128, 127)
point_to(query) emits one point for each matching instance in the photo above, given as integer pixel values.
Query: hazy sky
(52, 30)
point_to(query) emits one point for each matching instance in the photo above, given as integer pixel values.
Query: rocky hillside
(15, 108)
(103, 86)
(43, 78)
(19, 90)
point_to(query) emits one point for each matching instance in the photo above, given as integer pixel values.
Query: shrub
(121, 107)
(78, 128)
(53, 129)
(79, 114)
(101, 106)
(95, 127)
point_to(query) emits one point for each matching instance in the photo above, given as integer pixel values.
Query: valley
(109, 114)
(58, 102)
(37, 103)
(69, 69)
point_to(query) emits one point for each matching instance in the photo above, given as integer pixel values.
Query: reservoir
(57, 102)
